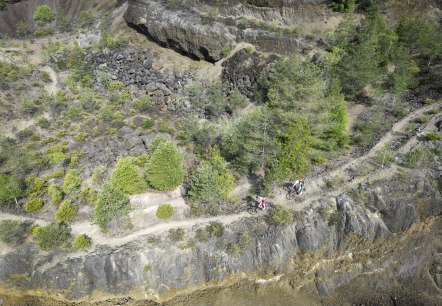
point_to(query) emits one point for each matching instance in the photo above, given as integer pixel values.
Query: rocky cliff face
(203, 29)
(353, 240)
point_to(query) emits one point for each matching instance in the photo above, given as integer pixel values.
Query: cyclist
(262, 201)
(299, 186)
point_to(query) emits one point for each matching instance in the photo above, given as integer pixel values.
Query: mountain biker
(299, 186)
(262, 201)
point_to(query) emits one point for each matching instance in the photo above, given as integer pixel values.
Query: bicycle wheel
(290, 195)
(252, 210)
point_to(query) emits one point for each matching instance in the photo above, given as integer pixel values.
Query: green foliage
(81, 136)
(429, 101)
(176, 234)
(334, 218)
(9, 72)
(280, 215)
(212, 182)
(111, 203)
(98, 175)
(21, 28)
(166, 170)
(201, 235)
(384, 156)
(244, 240)
(66, 212)
(2, 5)
(43, 14)
(343, 6)
(116, 42)
(88, 195)
(85, 19)
(143, 104)
(72, 183)
(9, 189)
(43, 122)
(127, 176)
(233, 249)
(148, 123)
(43, 32)
(215, 229)
(81, 242)
(203, 134)
(56, 154)
(35, 187)
(62, 23)
(34, 204)
(431, 136)
(14, 232)
(225, 51)
(52, 236)
(165, 211)
(421, 157)
(55, 194)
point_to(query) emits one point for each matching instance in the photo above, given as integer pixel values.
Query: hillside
(136, 135)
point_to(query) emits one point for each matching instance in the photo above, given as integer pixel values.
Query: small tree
(55, 193)
(43, 14)
(111, 203)
(164, 211)
(34, 204)
(127, 176)
(66, 212)
(9, 189)
(72, 183)
(21, 28)
(52, 236)
(166, 170)
(81, 242)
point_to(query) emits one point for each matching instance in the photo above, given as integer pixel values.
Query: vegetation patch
(14, 232)
(281, 215)
(111, 203)
(66, 212)
(52, 236)
(34, 204)
(81, 242)
(176, 234)
(164, 211)
(127, 176)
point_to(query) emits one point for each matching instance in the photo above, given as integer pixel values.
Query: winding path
(315, 192)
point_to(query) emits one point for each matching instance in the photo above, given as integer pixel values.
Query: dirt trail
(316, 191)
(53, 87)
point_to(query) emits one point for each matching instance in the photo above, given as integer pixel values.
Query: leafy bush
(116, 42)
(66, 212)
(165, 211)
(85, 19)
(9, 72)
(21, 28)
(9, 189)
(225, 51)
(429, 101)
(127, 176)
(43, 32)
(201, 234)
(34, 204)
(12, 231)
(148, 123)
(98, 175)
(2, 5)
(166, 170)
(343, 6)
(215, 229)
(88, 196)
(176, 234)
(43, 14)
(43, 122)
(111, 203)
(244, 240)
(212, 181)
(52, 236)
(433, 136)
(281, 215)
(233, 249)
(81, 136)
(81, 242)
(56, 154)
(55, 194)
(72, 183)
(143, 104)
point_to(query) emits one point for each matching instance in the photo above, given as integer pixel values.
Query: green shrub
(55, 194)
(35, 186)
(81, 136)
(215, 229)
(43, 122)
(147, 267)
(343, 6)
(166, 170)
(164, 126)
(433, 136)
(34, 204)
(9, 189)
(422, 119)
(66, 212)
(148, 123)
(111, 203)
(116, 42)
(56, 154)
(72, 183)
(334, 217)
(56, 174)
(52, 236)
(81, 242)
(127, 176)
(429, 101)
(85, 19)
(233, 249)
(201, 234)
(165, 211)
(21, 28)
(9, 72)
(88, 195)
(244, 240)
(281, 215)
(176, 234)
(43, 32)
(98, 175)
(225, 51)
(43, 14)
(143, 104)
(2, 5)
(13, 232)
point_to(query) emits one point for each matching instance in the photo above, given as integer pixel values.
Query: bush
(2, 5)
(429, 101)
(43, 122)
(215, 229)
(281, 215)
(72, 183)
(166, 170)
(143, 104)
(55, 194)
(116, 42)
(43, 32)
(66, 212)
(165, 211)
(148, 123)
(111, 203)
(201, 234)
(13, 232)
(433, 136)
(127, 176)
(225, 51)
(334, 218)
(233, 249)
(343, 6)
(43, 14)
(52, 236)
(244, 240)
(99, 175)
(176, 234)
(34, 204)
(88, 196)
(21, 28)
(9, 72)
(56, 154)
(85, 19)
(81, 242)
(9, 189)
